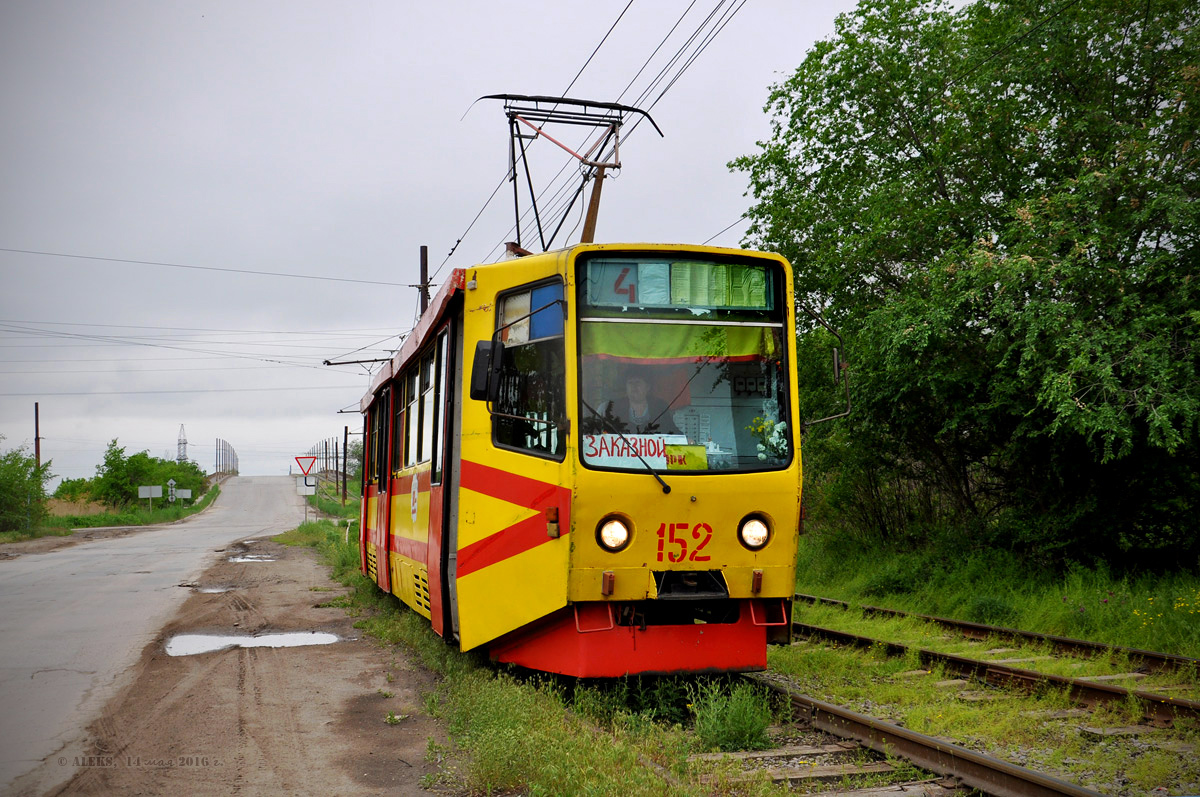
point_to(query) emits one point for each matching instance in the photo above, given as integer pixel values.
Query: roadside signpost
(150, 492)
(306, 484)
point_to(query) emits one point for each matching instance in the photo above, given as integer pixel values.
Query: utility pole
(37, 436)
(593, 211)
(424, 289)
(345, 450)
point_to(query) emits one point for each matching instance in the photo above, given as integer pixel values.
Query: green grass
(134, 515)
(34, 533)
(731, 718)
(1152, 612)
(1003, 723)
(328, 501)
(915, 633)
(516, 733)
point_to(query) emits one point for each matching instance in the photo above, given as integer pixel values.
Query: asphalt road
(73, 621)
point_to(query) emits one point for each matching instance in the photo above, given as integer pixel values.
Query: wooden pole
(589, 224)
(424, 279)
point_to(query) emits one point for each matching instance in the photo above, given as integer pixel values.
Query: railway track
(873, 676)
(1160, 709)
(1079, 647)
(960, 765)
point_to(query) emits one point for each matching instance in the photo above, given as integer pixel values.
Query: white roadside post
(306, 484)
(150, 492)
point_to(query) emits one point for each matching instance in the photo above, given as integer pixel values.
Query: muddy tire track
(264, 720)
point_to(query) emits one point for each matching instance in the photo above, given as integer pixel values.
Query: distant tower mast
(181, 455)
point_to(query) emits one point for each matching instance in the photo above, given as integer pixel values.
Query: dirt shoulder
(294, 720)
(11, 550)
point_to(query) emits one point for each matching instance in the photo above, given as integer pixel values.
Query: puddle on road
(252, 557)
(213, 590)
(192, 644)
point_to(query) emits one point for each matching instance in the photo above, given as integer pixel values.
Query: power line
(487, 202)
(207, 268)
(71, 335)
(143, 371)
(363, 330)
(650, 58)
(740, 219)
(598, 46)
(706, 31)
(504, 179)
(196, 390)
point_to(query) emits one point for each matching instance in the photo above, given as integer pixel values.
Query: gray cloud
(311, 138)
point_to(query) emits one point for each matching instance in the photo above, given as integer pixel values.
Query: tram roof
(456, 283)
(417, 338)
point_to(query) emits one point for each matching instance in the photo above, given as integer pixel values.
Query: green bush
(118, 476)
(731, 718)
(661, 698)
(22, 491)
(990, 610)
(73, 489)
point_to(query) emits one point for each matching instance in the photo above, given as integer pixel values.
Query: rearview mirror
(485, 370)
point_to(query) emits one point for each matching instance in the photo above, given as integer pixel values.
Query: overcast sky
(324, 139)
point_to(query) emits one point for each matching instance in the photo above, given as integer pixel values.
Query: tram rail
(1060, 644)
(1158, 709)
(976, 770)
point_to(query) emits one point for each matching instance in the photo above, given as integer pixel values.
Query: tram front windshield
(683, 364)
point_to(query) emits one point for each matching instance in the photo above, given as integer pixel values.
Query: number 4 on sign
(306, 464)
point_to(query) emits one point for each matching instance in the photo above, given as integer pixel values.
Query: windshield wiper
(629, 445)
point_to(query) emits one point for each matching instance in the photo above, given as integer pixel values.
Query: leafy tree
(73, 489)
(22, 490)
(998, 207)
(118, 476)
(354, 461)
(112, 483)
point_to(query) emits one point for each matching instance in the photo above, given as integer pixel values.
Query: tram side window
(531, 408)
(372, 443)
(398, 422)
(378, 442)
(425, 444)
(439, 390)
(411, 425)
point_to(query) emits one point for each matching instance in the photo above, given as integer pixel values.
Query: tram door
(381, 475)
(452, 406)
(441, 431)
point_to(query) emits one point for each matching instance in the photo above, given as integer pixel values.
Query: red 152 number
(676, 535)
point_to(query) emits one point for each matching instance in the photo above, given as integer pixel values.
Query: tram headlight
(754, 533)
(613, 534)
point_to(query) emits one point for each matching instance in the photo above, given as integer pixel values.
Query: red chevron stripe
(519, 537)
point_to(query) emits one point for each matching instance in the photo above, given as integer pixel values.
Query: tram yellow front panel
(513, 558)
(693, 528)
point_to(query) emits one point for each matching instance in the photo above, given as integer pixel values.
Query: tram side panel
(372, 534)
(415, 518)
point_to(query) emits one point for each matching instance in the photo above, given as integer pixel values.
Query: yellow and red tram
(587, 460)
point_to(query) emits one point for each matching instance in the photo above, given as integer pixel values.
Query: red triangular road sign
(306, 464)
